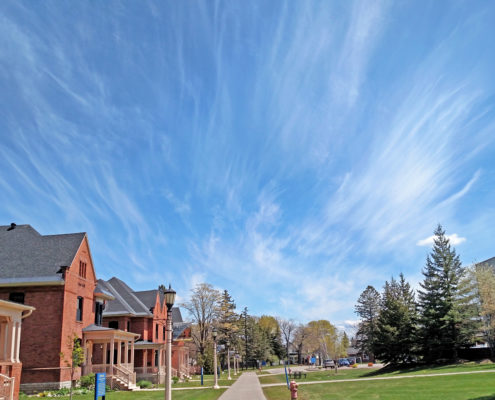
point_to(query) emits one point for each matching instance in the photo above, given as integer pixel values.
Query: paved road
(247, 387)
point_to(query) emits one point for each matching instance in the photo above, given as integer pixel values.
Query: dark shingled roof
(178, 328)
(126, 302)
(176, 315)
(490, 261)
(148, 297)
(25, 254)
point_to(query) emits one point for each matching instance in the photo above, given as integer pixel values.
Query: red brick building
(145, 313)
(55, 274)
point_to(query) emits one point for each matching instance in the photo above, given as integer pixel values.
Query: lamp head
(169, 297)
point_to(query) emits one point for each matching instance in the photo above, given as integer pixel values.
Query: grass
(456, 387)
(208, 380)
(370, 373)
(203, 394)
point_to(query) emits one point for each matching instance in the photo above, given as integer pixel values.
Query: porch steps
(117, 382)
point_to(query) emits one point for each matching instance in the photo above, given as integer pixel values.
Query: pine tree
(396, 330)
(227, 318)
(445, 325)
(368, 309)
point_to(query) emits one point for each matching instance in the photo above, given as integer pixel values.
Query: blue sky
(290, 152)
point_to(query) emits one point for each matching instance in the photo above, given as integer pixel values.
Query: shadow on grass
(492, 397)
(407, 369)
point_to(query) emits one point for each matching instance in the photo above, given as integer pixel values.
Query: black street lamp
(214, 335)
(169, 301)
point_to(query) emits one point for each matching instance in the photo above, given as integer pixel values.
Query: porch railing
(7, 384)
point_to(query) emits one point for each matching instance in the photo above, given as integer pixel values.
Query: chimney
(12, 226)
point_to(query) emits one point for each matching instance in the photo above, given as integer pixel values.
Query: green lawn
(203, 394)
(456, 387)
(208, 380)
(370, 373)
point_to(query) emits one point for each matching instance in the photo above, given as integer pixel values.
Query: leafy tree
(483, 277)
(203, 306)
(74, 359)
(396, 334)
(445, 321)
(368, 309)
(323, 339)
(269, 325)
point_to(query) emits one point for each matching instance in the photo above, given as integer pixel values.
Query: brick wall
(77, 286)
(40, 335)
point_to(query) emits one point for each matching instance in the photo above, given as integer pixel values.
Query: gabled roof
(178, 328)
(27, 256)
(490, 261)
(126, 302)
(176, 315)
(148, 297)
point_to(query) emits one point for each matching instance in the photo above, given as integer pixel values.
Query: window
(82, 269)
(98, 313)
(113, 324)
(156, 331)
(163, 333)
(128, 326)
(17, 297)
(79, 312)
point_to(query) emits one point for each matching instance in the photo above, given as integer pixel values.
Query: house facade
(144, 313)
(55, 275)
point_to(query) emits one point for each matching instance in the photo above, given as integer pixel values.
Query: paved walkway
(247, 387)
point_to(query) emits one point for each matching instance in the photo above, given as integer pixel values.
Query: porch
(150, 361)
(11, 315)
(111, 351)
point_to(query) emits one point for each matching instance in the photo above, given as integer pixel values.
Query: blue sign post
(100, 385)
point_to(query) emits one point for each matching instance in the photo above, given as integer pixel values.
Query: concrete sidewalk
(247, 387)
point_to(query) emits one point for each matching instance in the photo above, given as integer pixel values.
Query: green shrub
(144, 384)
(175, 379)
(88, 381)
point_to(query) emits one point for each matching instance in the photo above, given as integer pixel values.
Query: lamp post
(169, 301)
(214, 334)
(228, 358)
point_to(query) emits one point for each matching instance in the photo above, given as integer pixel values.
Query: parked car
(328, 364)
(352, 360)
(343, 362)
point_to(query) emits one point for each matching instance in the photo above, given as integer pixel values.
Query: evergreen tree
(344, 345)
(445, 321)
(368, 309)
(396, 333)
(227, 318)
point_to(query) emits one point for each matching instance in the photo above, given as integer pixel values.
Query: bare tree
(203, 306)
(287, 327)
(301, 335)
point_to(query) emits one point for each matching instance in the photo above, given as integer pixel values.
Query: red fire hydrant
(293, 390)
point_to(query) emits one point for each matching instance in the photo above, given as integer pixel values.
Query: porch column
(104, 358)
(10, 341)
(112, 351)
(3, 340)
(132, 353)
(119, 352)
(126, 355)
(145, 361)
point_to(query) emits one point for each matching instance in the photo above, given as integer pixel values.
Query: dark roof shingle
(25, 254)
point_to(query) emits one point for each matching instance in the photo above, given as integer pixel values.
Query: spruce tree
(396, 330)
(444, 321)
(368, 309)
